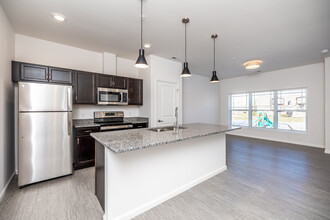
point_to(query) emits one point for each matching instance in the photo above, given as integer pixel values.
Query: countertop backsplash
(86, 111)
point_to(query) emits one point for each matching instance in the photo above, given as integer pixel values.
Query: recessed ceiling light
(324, 51)
(59, 17)
(252, 64)
(147, 46)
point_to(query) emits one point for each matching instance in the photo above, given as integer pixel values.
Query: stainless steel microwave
(107, 96)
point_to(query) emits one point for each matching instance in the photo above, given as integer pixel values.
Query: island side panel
(139, 180)
(99, 173)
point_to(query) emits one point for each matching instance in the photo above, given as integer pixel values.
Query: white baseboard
(167, 196)
(6, 186)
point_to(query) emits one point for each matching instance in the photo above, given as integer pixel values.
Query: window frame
(275, 109)
(245, 110)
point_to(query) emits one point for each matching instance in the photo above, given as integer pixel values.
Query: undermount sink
(161, 129)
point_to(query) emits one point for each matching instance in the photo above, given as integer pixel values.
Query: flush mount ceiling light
(141, 61)
(185, 72)
(324, 51)
(59, 17)
(252, 64)
(147, 46)
(214, 78)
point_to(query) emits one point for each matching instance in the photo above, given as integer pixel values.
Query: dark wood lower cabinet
(84, 150)
(99, 173)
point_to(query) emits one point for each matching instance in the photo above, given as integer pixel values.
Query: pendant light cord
(214, 54)
(141, 25)
(185, 42)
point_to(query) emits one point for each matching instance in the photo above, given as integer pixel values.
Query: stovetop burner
(110, 118)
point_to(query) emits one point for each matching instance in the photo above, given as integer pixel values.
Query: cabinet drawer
(86, 131)
(140, 125)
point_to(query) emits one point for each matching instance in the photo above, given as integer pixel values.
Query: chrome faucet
(176, 124)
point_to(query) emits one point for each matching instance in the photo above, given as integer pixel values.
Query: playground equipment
(263, 120)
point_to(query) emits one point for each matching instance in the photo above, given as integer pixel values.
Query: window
(240, 109)
(263, 109)
(292, 109)
(281, 109)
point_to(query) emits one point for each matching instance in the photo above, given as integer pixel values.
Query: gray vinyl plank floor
(264, 180)
(71, 197)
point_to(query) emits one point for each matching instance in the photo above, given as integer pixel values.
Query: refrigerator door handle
(69, 123)
(69, 99)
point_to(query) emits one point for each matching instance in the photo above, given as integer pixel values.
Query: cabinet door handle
(160, 120)
(88, 131)
(78, 140)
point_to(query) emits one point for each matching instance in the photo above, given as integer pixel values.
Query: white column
(109, 63)
(327, 104)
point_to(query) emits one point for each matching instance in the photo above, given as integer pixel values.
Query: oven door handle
(115, 127)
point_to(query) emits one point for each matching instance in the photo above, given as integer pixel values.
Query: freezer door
(44, 97)
(45, 146)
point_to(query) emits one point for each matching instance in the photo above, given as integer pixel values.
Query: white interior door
(167, 101)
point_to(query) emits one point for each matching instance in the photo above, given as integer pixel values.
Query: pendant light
(214, 78)
(141, 62)
(185, 72)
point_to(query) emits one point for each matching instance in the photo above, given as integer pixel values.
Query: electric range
(111, 121)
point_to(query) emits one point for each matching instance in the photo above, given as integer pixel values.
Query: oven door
(106, 96)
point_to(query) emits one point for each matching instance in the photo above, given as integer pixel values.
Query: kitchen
(96, 60)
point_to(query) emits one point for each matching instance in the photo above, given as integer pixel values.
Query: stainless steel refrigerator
(45, 132)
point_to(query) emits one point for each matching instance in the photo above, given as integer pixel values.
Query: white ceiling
(280, 32)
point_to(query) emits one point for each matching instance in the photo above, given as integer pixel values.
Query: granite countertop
(83, 123)
(135, 139)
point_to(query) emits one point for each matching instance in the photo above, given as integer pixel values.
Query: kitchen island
(139, 169)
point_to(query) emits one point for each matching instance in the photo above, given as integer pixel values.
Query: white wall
(34, 50)
(310, 76)
(327, 104)
(86, 111)
(201, 100)
(160, 69)
(7, 111)
(125, 67)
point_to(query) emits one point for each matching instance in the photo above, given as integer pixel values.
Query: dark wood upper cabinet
(57, 75)
(103, 81)
(40, 73)
(118, 82)
(135, 91)
(85, 83)
(109, 81)
(84, 88)
(34, 72)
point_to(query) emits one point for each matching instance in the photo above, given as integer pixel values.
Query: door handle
(69, 99)
(69, 123)
(160, 120)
